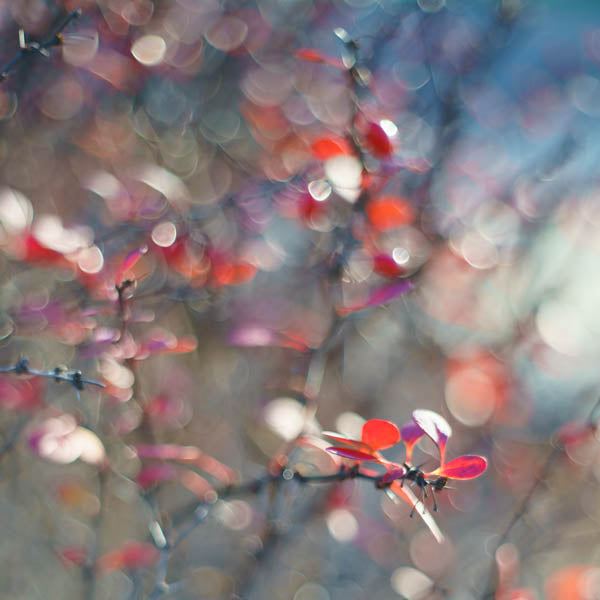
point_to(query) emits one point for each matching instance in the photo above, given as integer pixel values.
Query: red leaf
(332, 435)
(353, 454)
(327, 147)
(380, 434)
(377, 141)
(436, 427)
(389, 212)
(463, 467)
(411, 433)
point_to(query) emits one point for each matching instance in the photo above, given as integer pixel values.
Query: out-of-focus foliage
(251, 221)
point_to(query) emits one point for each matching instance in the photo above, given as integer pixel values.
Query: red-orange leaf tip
(380, 434)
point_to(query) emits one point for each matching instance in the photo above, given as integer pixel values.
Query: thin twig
(256, 485)
(28, 49)
(74, 377)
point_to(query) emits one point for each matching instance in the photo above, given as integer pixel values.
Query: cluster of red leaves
(378, 434)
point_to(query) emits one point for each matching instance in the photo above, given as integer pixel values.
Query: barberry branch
(58, 374)
(28, 49)
(286, 475)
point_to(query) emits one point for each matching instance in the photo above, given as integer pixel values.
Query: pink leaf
(436, 427)
(464, 467)
(411, 433)
(394, 474)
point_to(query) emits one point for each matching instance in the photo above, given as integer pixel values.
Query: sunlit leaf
(380, 434)
(463, 467)
(353, 454)
(394, 474)
(411, 433)
(435, 426)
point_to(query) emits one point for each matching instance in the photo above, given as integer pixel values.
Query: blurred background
(253, 221)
